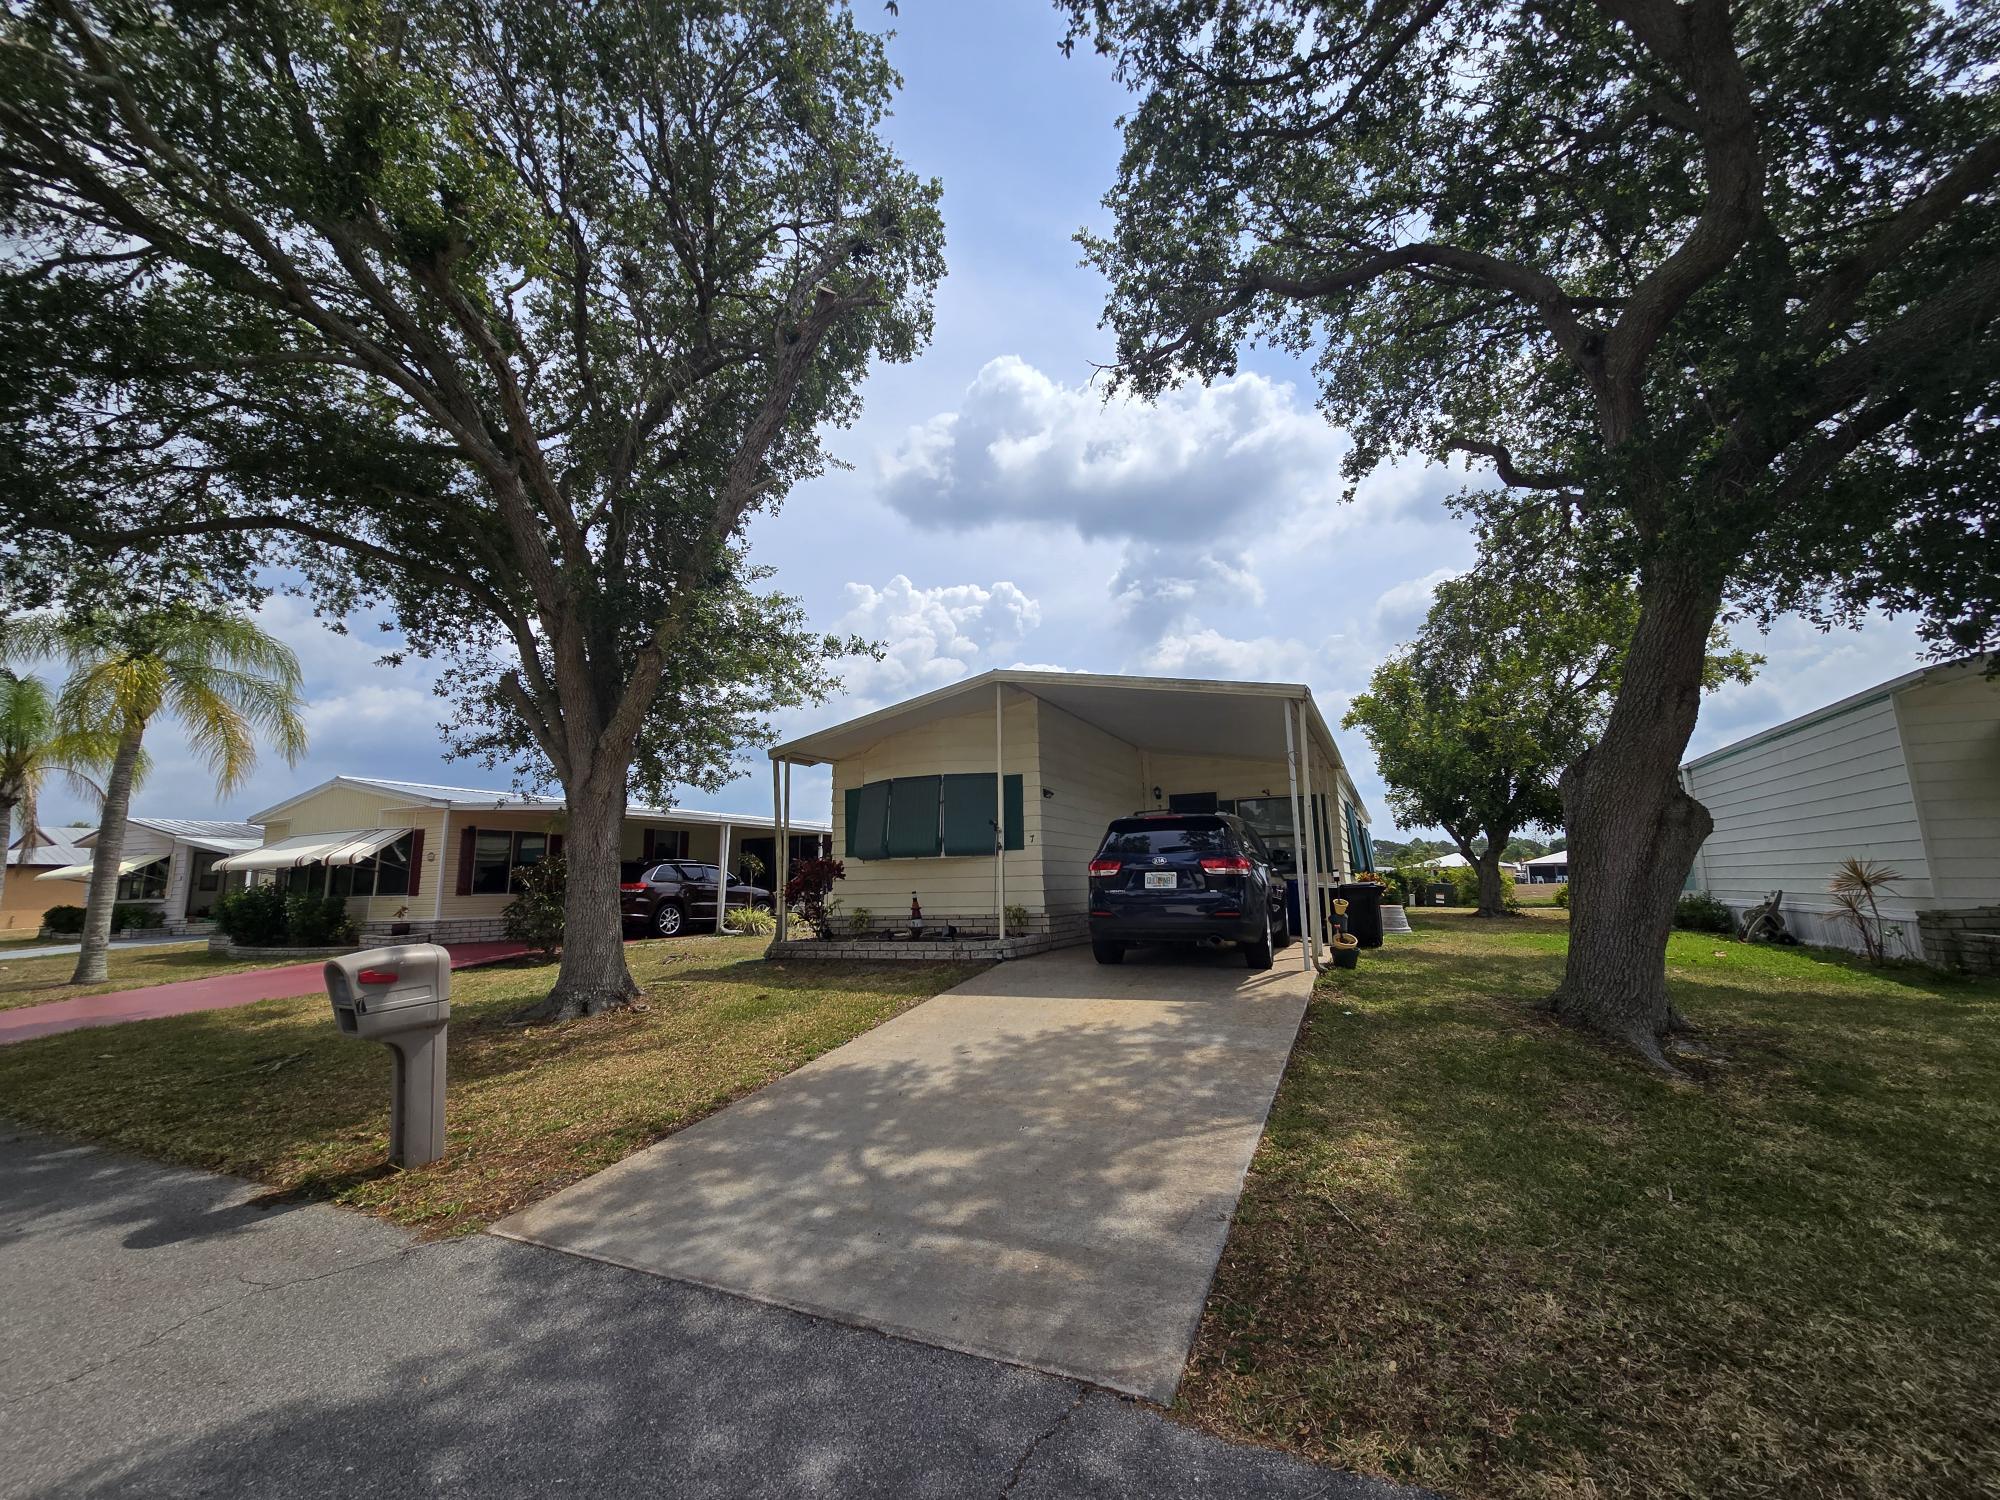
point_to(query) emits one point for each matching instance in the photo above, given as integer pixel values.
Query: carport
(984, 801)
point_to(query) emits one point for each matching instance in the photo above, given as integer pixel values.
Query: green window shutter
(852, 817)
(871, 823)
(1013, 818)
(968, 813)
(914, 831)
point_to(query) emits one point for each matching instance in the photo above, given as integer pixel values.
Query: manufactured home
(35, 852)
(443, 862)
(176, 866)
(983, 802)
(1907, 775)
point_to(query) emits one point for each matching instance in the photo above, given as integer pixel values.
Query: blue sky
(998, 512)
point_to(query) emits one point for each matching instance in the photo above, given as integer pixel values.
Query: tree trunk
(1492, 893)
(93, 959)
(1633, 831)
(593, 976)
(7, 806)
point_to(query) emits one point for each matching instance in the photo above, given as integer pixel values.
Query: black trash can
(1364, 911)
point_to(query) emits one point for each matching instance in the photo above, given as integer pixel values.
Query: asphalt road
(164, 1333)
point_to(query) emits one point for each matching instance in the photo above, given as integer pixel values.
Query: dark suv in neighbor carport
(678, 895)
(1168, 877)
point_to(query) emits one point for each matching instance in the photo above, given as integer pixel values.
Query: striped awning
(82, 872)
(347, 847)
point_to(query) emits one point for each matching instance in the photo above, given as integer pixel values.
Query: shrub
(130, 916)
(755, 920)
(859, 921)
(317, 921)
(1698, 911)
(806, 892)
(66, 919)
(1562, 895)
(253, 917)
(1464, 882)
(535, 915)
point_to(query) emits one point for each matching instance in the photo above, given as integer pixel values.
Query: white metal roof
(47, 850)
(1168, 715)
(460, 798)
(1554, 857)
(217, 835)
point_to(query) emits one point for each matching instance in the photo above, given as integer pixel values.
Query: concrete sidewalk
(218, 992)
(1039, 1166)
(163, 1333)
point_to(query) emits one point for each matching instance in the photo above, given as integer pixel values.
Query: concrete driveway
(1039, 1166)
(169, 1333)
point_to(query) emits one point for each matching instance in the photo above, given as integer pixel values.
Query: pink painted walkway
(222, 992)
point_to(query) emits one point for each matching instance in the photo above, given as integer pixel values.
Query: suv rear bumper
(1183, 923)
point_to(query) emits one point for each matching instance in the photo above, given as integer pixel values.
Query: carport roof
(1168, 715)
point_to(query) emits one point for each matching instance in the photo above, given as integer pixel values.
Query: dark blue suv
(1168, 877)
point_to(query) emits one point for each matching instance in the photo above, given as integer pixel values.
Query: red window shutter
(468, 840)
(555, 846)
(416, 859)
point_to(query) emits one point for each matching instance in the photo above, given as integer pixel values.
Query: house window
(147, 883)
(207, 880)
(498, 857)
(918, 816)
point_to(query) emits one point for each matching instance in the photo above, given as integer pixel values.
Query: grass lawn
(1487, 1255)
(31, 981)
(272, 1092)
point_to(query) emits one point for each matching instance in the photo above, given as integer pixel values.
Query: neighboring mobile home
(1547, 869)
(173, 865)
(1906, 774)
(418, 860)
(26, 899)
(994, 793)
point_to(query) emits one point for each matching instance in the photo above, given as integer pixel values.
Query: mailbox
(401, 997)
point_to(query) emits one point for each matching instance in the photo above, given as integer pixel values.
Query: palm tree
(34, 746)
(218, 673)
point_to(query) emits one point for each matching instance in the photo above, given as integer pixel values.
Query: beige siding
(1951, 741)
(1231, 779)
(1095, 777)
(1789, 809)
(957, 886)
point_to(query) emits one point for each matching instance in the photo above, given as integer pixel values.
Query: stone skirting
(221, 945)
(445, 930)
(1968, 939)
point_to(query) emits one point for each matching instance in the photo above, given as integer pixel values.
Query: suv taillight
(1106, 866)
(632, 885)
(1230, 864)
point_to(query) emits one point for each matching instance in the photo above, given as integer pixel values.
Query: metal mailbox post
(401, 997)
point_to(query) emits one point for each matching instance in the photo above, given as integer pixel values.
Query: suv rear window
(1187, 834)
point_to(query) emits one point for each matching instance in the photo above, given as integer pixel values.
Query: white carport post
(1298, 844)
(1314, 923)
(778, 854)
(999, 814)
(722, 883)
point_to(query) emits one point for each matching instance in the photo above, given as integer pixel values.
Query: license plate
(1161, 880)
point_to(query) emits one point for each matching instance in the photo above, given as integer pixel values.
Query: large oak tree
(505, 312)
(1711, 286)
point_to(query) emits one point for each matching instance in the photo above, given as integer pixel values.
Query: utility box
(401, 997)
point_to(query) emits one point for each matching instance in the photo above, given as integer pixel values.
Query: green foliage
(535, 915)
(1562, 896)
(1696, 911)
(35, 744)
(133, 916)
(317, 921)
(806, 892)
(758, 920)
(253, 917)
(860, 922)
(63, 920)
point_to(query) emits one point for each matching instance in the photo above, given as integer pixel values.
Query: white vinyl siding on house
(1095, 777)
(1790, 808)
(948, 885)
(1951, 743)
